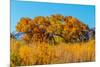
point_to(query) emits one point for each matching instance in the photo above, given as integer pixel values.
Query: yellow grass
(44, 53)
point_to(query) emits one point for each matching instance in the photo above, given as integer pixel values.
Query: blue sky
(19, 9)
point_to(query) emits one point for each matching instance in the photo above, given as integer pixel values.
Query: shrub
(44, 53)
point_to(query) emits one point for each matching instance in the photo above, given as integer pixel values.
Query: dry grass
(43, 53)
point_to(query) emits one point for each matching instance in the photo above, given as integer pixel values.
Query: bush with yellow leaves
(44, 53)
(26, 55)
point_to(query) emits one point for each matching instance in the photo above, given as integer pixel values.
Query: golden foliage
(23, 25)
(44, 53)
(26, 55)
(55, 24)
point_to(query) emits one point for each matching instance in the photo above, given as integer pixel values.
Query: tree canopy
(46, 28)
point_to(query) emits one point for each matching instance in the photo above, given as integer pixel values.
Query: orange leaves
(23, 25)
(24, 21)
(54, 21)
(58, 17)
(74, 27)
(51, 24)
(36, 29)
(65, 28)
(39, 20)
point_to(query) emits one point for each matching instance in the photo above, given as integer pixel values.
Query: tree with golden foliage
(46, 28)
